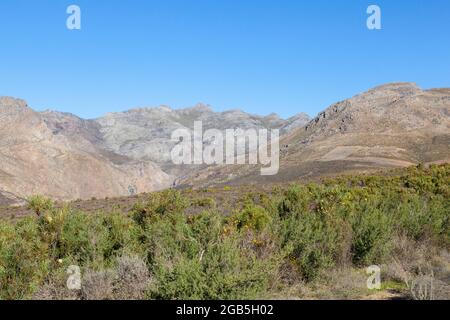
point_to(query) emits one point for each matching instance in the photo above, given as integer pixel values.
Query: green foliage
(315, 239)
(252, 217)
(39, 204)
(205, 202)
(24, 260)
(372, 231)
(192, 259)
(160, 204)
(88, 240)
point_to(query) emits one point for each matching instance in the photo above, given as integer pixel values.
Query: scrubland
(297, 241)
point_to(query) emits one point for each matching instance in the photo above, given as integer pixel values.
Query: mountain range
(66, 157)
(393, 125)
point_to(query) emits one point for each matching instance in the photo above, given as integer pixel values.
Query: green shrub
(24, 260)
(39, 204)
(421, 219)
(88, 239)
(252, 217)
(158, 205)
(372, 232)
(205, 202)
(316, 242)
(301, 230)
(193, 259)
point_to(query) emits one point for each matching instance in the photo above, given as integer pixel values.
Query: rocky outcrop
(394, 125)
(144, 134)
(393, 107)
(39, 155)
(66, 157)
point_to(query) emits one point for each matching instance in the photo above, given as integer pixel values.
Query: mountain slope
(37, 159)
(66, 157)
(394, 125)
(145, 134)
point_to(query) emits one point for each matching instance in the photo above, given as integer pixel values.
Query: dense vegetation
(292, 237)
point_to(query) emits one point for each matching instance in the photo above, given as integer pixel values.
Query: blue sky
(283, 56)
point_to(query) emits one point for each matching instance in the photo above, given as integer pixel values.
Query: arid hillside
(35, 159)
(65, 157)
(394, 125)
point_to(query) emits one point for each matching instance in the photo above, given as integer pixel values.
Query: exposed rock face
(394, 125)
(144, 134)
(297, 121)
(66, 157)
(38, 155)
(63, 156)
(392, 108)
(8, 199)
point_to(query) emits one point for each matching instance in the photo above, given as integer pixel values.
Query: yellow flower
(49, 219)
(60, 261)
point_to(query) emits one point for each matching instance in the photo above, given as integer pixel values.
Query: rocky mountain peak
(11, 106)
(399, 105)
(62, 155)
(10, 102)
(394, 125)
(165, 108)
(391, 90)
(15, 112)
(272, 116)
(297, 121)
(200, 107)
(397, 86)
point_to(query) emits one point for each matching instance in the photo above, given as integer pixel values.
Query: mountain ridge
(122, 153)
(64, 156)
(392, 125)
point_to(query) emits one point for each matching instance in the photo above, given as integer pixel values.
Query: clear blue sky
(283, 56)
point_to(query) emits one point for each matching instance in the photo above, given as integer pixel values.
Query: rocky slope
(394, 125)
(144, 134)
(39, 157)
(66, 157)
